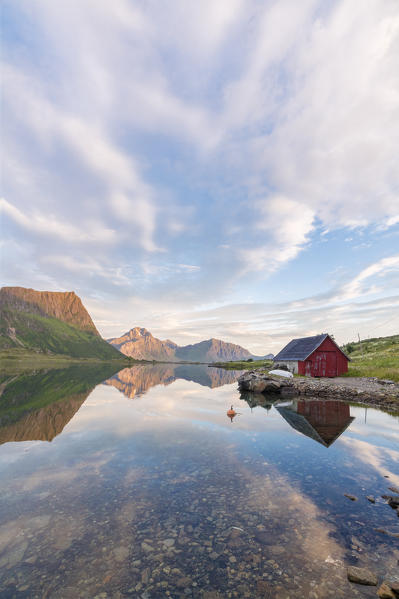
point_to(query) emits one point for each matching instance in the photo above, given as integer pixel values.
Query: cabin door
(331, 364)
(325, 364)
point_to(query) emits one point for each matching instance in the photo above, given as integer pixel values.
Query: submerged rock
(351, 497)
(385, 592)
(362, 576)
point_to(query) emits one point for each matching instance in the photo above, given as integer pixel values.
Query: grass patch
(51, 336)
(377, 357)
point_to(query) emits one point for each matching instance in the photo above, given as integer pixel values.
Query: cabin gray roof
(300, 349)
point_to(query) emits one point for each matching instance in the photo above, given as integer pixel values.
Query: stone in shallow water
(121, 553)
(362, 576)
(351, 497)
(183, 582)
(385, 592)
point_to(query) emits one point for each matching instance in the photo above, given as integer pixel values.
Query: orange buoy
(231, 413)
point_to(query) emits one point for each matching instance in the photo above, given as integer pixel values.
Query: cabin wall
(326, 360)
(292, 365)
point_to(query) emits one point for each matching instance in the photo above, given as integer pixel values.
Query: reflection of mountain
(44, 424)
(321, 420)
(137, 380)
(38, 406)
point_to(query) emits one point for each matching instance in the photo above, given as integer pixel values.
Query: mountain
(63, 305)
(140, 344)
(50, 322)
(212, 350)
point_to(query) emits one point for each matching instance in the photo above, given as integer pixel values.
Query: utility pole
(360, 343)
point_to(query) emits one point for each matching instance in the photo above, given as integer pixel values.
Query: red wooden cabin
(314, 356)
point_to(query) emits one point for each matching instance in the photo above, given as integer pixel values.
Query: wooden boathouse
(317, 356)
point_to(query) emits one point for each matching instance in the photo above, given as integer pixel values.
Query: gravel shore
(366, 390)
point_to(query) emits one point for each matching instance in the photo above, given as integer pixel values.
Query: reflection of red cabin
(323, 421)
(314, 356)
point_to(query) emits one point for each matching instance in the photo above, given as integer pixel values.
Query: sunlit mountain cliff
(140, 344)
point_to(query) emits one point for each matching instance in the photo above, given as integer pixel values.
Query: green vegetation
(52, 336)
(244, 365)
(27, 392)
(377, 357)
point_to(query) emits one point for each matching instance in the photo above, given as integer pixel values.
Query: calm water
(142, 487)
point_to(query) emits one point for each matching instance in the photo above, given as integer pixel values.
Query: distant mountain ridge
(50, 322)
(140, 344)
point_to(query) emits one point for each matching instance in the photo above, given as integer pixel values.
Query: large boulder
(259, 382)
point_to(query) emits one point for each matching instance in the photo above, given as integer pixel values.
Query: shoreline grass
(16, 360)
(242, 365)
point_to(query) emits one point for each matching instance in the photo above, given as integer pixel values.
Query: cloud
(286, 224)
(193, 152)
(49, 225)
(124, 193)
(381, 268)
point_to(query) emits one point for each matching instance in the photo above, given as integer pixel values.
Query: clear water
(143, 487)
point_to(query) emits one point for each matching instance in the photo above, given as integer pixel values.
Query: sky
(205, 169)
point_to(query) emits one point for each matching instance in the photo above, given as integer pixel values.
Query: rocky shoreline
(365, 390)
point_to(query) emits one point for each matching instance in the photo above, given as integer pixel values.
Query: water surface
(142, 487)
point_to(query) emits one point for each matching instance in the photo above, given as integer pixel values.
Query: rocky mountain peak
(137, 332)
(64, 305)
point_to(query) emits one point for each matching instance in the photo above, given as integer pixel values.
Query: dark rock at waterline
(370, 498)
(362, 576)
(391, 500)
(394, 490)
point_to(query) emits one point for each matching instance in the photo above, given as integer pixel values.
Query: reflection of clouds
(374, 456)
(371, 422)
(109, 493)
(310, 535)
(184, 403)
